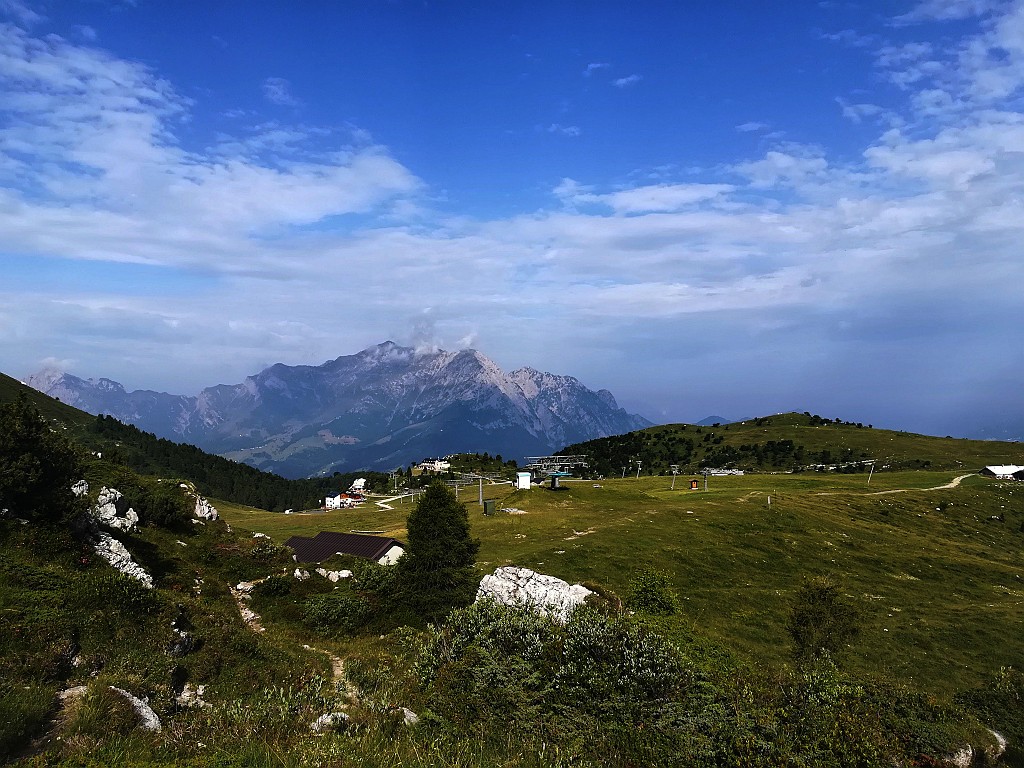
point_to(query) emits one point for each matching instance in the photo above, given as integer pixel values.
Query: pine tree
(37, 466)
(436, 573)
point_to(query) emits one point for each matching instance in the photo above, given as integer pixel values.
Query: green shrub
(650, 592)
(821, 621)
(275, 586)
(109, 590)
(374, 577)
(336, 613)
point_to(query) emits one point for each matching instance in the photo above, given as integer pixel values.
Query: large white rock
(521, 586)
(115, 553)
(113, 511)
(205, 510)
(80, 488)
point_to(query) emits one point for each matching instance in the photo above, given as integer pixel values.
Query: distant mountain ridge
(379, 408)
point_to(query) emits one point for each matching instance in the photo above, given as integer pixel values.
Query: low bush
(650, 592)
(334, 614)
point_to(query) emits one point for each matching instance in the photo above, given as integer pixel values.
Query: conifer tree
(37, 466)
(436, 573)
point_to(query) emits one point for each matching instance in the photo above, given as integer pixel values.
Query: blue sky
(732, 208)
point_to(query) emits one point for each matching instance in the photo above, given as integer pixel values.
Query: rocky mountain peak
(384, 406)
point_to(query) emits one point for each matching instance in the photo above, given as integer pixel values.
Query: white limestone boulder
(205, 510)
(115, 553)
(334, 576)
(511, 585)
(112, 510)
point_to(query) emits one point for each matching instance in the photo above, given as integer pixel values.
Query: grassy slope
(939, 584)
(49, 408)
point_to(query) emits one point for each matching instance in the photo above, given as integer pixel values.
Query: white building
(1001, 471)
(435, 465)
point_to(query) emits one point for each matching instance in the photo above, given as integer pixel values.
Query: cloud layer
(886, 284)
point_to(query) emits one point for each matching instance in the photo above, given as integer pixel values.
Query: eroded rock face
(521, 586)
(115, 553)
(112, 510)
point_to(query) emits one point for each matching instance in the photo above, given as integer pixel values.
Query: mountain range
(383, 407)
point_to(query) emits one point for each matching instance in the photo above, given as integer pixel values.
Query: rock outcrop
(112, 510)
(115, 553)
(521, 586)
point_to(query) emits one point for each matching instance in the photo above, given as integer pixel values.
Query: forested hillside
(214, 476)
(785, 443)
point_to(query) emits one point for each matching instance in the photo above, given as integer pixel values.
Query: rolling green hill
(787, 442)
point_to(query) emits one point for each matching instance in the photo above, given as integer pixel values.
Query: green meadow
(937, 579)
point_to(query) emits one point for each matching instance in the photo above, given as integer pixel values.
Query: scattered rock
(112, 510)
(963, 758)
(80, 488)
(191, 697)
(332, 721)
(408, 716)
(241, 593)
(300, 574)
(149, 719)
(334, 576)
(183, 641)
(511, 585)
(260, 536)
(513, 510)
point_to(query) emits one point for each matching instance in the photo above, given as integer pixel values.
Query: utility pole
(481, 491)
(638, 470)
(675, 471)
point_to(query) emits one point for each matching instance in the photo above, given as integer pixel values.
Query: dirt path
(249, 616)
(947, 486)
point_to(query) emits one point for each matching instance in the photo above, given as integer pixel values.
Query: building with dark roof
(325, 544)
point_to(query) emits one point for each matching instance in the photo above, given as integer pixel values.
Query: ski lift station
(553, 467)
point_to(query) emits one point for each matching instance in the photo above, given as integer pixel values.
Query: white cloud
(279, 91)
(92, 168)
(625, 82)
(20, 12)
(595, 66)
(948, 10)
(778, 168)
(564, 130)
(648, 199)
(752, 127)
(859, 112)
